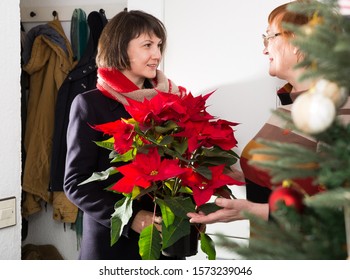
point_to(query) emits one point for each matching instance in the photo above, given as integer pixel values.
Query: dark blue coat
(83, 158)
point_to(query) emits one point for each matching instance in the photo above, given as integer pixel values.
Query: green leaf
(106, 144)
(100, 176)
(186, 190)
(216, 156)
(216, 151)
(180, 147)
(214, 161)
(180, 206)
(167, 139)
(204, 171)
(167, 215)
(128, 156)
(179, 228)
(208, 246)
(170, 125)
(163, 150)
(143, 191)
(150, 243)
(120, 217)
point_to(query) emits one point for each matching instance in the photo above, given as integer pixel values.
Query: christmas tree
(318, 226)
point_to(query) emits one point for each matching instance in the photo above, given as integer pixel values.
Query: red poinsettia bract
(197, 107)
(122, 132)
(146, 169)
(162, 107)
(209, 133)
(204, 188)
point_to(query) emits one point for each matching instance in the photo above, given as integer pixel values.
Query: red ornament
(290, 196)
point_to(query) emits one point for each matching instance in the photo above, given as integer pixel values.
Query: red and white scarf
(114, 84)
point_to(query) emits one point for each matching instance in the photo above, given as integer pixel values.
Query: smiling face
(144, 54)
(281, 53)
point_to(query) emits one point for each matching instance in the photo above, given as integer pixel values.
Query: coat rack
(64, 13)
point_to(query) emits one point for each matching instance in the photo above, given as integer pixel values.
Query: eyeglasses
(266, 38)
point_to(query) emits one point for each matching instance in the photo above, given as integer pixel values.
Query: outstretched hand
(228, 213)
(231, 210)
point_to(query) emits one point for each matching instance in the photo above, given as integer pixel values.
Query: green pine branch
(291, 161)
(325, 44)
(289, 235)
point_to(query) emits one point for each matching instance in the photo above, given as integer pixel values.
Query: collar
(286, 95)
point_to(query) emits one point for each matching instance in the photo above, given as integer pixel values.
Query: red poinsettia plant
(176, 153)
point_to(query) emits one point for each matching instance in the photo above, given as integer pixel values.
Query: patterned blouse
(258, 183)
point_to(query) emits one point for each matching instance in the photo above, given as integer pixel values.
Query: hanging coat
(79, 33)
(82, 78)
(48, 58)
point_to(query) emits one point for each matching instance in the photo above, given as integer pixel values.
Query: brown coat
(49, 63)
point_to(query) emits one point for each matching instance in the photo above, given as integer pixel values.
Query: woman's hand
(145, 218)
(232, 210)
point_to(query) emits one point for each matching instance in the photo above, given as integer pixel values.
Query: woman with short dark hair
(129, 52)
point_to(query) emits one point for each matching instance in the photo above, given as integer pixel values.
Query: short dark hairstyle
(119, 31)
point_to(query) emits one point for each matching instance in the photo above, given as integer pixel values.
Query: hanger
(55, 15)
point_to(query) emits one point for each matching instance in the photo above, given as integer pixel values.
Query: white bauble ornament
(313, 113)
(333, 91)
(344, 7)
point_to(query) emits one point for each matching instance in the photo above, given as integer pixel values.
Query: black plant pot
(186, 246)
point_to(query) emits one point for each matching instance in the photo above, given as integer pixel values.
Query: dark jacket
(83, 158)
(82, 78)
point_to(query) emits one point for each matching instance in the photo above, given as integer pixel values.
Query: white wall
(218, 45)
(10, 140)
(211, 45)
